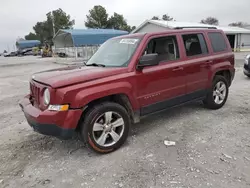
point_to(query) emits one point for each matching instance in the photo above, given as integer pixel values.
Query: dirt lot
(212, 147)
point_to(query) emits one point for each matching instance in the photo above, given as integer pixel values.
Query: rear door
(197, 63)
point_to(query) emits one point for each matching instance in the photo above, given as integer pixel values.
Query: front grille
(247, 67)
(35, 93)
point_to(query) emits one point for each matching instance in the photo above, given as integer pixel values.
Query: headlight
(247, 59)
(46, 97)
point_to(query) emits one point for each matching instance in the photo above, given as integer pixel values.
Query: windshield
(115, 52)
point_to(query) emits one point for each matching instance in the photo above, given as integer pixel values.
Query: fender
(85, 96)
(225, 65)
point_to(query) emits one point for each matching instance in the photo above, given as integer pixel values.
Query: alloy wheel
(108, 129)
(219, 92)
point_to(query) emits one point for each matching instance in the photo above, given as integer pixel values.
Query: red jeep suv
(127, 78)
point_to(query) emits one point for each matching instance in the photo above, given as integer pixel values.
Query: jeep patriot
(130, 77)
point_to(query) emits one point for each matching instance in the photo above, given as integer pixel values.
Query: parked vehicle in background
(11, 54)
(246, 68)
(61, 54)
(24, 52)
(28, 53)
(130, 77)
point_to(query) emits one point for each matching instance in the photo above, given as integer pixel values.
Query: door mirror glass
(148, 60)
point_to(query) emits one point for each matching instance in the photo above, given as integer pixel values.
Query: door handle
(209, 61)
(177, 69)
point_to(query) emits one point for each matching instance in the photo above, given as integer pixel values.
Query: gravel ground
(212, 147)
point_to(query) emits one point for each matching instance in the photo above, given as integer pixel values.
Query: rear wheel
(217, 96)
(105, 127)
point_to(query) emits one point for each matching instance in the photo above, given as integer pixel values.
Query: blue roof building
(84, 37)
(22, 44)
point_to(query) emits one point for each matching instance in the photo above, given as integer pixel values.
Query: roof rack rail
(194, 27)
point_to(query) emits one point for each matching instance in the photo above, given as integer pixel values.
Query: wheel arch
(226, 74)
(119, 98)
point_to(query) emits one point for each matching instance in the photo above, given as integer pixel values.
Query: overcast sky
(17, 17)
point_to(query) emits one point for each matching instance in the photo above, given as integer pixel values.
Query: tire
(103, 114)
(216, 99)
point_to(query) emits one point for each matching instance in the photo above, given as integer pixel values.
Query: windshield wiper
(95, 65)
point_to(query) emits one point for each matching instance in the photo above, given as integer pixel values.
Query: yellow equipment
(46, 51)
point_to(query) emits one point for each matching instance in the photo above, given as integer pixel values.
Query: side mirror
(148, 60)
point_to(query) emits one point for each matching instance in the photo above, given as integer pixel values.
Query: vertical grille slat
(35, 93)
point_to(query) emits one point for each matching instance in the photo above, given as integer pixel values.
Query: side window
(218, 42)
(166, 48)
(195, 44)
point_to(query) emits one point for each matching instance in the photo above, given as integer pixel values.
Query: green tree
(133, 28)
(60, 20)
(97, 18)
(31, 36)
(238, 24)
(19, 39)
(5, 51)
(166, 17)
(44, 31)
(210, 21)
(155, 18)
(117, 21)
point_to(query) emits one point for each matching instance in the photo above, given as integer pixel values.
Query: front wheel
(105, 127)
(217, 96)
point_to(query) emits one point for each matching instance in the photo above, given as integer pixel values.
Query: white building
(247, 27)
(239, 38)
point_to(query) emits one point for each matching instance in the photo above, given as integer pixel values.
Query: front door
(162, 85)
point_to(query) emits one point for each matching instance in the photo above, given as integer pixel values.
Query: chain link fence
(82, 53)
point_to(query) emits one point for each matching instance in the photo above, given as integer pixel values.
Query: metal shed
(22, 44)
(82, 42)
(82, 37)
(239, 38)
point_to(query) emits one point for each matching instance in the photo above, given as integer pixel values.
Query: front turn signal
(58, 107)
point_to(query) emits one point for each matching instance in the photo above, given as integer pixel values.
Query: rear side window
(195, 44)
(218, 42)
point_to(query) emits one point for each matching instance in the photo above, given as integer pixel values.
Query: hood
(74, 75)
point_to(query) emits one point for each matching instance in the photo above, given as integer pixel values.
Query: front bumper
(58, 124)
(246, 70)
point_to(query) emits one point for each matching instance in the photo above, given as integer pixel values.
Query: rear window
(218, 42)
